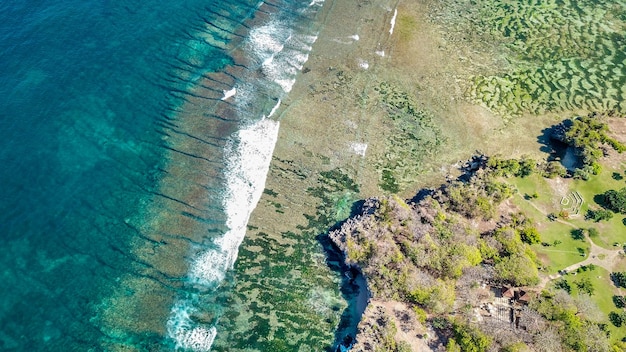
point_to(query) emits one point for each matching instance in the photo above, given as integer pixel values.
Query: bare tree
(596, 339)
(532, 320)
(547, 340)
(588, 308)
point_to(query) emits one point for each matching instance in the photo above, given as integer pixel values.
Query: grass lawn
(612, 231)
(602, 296)
(553, 257)
(535, 183)
(564, 254)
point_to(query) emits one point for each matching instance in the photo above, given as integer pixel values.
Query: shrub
(530, 235)
(470, 339)
(619, 301)
(598, 215)
(593, 232)
(553, 169)
(585, 285)
(619, 278)
(562, 284)
(616, 319)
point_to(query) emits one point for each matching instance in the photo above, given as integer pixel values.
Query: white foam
(248, 158)
(280, 52)
(229, 93)
(359, 148)
(286, 84)
(355, 37)
(380, 53)
(393, 21)
(274, 108)
(189, 336)
(316, 2)
(363, 64)
(263, 40)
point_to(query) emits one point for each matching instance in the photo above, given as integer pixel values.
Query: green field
(614, 230)
(553, 257)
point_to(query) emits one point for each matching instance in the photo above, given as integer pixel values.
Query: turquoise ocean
(135, 141)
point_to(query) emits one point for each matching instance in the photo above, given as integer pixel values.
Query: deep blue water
(111, 118)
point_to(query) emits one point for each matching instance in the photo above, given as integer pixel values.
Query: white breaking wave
(316, 2)
(280, 52)
(380, 53)
(274, 108)
(393, 21)
(229, 93)
(189, 336)
(248, 158)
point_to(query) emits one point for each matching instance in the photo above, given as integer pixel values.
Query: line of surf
(279, 52)
(249, 154)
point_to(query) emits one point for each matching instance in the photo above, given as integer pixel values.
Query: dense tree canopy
(616, 200)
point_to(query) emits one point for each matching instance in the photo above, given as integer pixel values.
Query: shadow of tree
(545, 141)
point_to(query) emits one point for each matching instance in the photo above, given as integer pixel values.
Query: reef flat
(393, 95)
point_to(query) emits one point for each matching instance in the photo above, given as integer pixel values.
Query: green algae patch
(336, 192)
(563, 55)
(413, 138)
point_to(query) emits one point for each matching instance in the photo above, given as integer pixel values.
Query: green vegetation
(512, 167)
(424, 254)
(563, 55)
(415, 137)
(468, 338)
(598, 215)
(577, 328)
(619, 301)
(588, 135)
(619, 278)
(615, 200)
(592, 295)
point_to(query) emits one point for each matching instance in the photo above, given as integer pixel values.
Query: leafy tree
(598, 215)
(530, 235)
(587, 134)
(563, 285)
(515, 347)
(615, 200)
(526, 167)
(585, 285)
(616, 319)
(619, 301)
(470, 339)
(518, 269)
(578, 234)
(619, 278)
(553, 169)
(453, 346)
